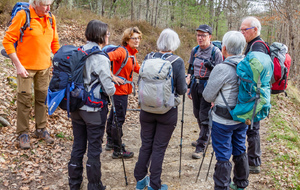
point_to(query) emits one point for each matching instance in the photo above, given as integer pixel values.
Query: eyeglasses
(108, 34)
(202, 35)
(244, 30)
(138, 38)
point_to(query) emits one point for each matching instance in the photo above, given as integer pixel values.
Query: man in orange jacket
(130, 41)
(32, 61)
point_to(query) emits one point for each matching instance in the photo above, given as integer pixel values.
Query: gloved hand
(208, 65)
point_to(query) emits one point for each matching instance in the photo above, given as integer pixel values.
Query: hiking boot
(194, 143)
(43, 134)
(234, 187)
(163, 187)
(140, 185)
(126, 154)
(254, 169)
(24, 141)
(109, 146)
(197, 154)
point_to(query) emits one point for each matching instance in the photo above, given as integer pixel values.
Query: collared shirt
(38, 40)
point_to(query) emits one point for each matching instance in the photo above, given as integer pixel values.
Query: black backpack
(66, 88)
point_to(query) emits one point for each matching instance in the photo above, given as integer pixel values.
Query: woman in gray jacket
(89, 121)
(228, 136)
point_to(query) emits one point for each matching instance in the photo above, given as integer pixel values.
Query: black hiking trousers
(254, 151)
(200, 109)
(111, 129)
(156, 132)
(88, 129)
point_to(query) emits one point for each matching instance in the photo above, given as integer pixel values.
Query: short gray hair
(33, 3)
(254, 22)
(234, 42)
(168, 40)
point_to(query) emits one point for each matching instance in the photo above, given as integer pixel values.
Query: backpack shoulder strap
(26, 24)
(172, 58)
(50, 19)
(213, 53)
(195, 49)
(124, 61)
(260, 41)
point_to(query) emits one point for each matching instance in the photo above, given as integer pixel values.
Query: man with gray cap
(202, 60)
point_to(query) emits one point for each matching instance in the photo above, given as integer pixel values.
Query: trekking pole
(212, 155)
(205, 149)
(119, 136)
(182, 121)
(202, 159)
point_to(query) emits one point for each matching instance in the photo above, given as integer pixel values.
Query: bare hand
(22, 71)
(117, 80)
(212, 105)
(189, 94)
(188, 79)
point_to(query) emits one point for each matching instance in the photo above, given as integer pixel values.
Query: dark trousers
(156, 132)
(230, 140)
(200, 109)
(111, 129)
(88, 129)
(254, 151)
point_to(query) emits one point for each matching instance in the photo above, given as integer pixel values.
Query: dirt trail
(112, 170)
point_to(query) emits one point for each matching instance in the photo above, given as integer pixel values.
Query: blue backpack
(66, 88)
(110, 48)
(254, 72)
(18, 7)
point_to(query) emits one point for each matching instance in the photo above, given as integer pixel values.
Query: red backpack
(282, 63)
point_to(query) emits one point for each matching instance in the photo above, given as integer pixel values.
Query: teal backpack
(254, 72)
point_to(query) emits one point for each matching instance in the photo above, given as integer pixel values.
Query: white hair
(168, 40)
(234, 42)
(33, 3)
(254, 22)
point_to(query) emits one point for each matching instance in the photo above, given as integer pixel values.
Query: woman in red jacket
(130, 41)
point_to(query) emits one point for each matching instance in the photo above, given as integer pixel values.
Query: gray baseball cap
(204, 28)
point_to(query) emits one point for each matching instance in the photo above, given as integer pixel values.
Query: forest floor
(45, 166)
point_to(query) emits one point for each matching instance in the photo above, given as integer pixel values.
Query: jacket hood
(234, 60)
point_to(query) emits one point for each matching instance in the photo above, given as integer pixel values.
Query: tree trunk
(132, 11)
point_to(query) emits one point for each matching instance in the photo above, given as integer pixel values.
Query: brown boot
(24, 141)
(43, 134)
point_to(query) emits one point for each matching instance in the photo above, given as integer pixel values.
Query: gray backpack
(156, 90)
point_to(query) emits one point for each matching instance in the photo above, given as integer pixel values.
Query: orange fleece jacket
(117, 57)
(35, 50)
